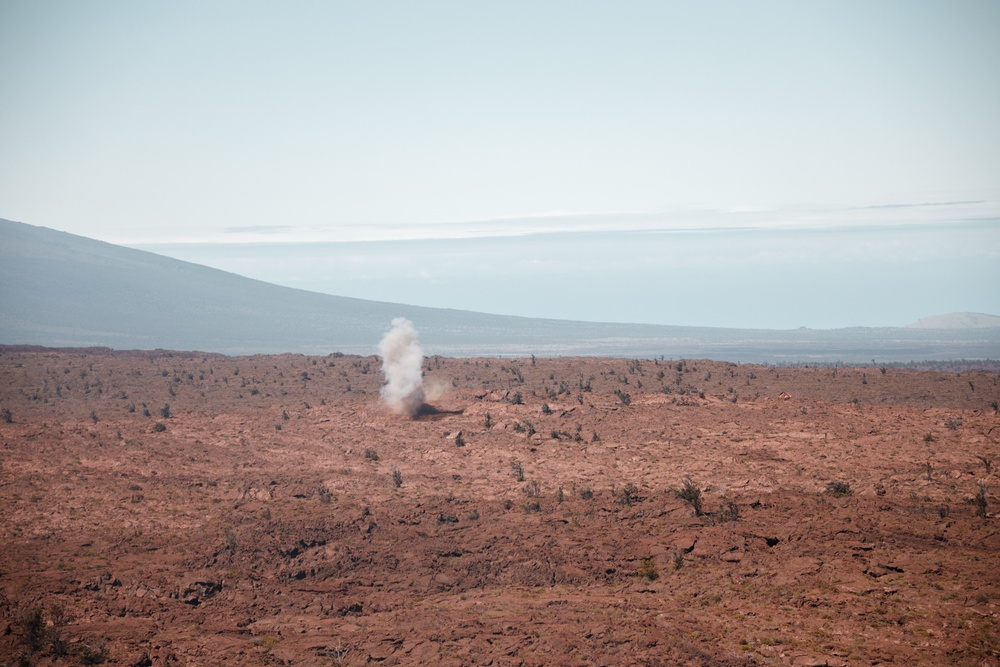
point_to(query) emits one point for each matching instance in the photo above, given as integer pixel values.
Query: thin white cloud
(744, 218)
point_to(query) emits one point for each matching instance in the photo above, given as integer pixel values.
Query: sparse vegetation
(629, 494)
(839, 489)
(322, 535)
(979, 502)
(691, 494)
(987, 463)
(730, 511)
(518, 470)
(32, 625)
(624, 398)
(93, 652)
(647, 569)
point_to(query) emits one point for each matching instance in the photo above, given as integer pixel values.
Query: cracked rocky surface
(190, 509)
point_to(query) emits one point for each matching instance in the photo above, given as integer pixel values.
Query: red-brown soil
(256, 527)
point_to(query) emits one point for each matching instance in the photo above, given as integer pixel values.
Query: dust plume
(401, 362)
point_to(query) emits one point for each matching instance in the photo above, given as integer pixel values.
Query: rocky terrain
(167, 508)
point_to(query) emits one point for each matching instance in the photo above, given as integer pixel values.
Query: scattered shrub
(839, 489)
(647, 570)
(987, 463)
(32, 626)
(518, 470)
(629, 494)
(979, 501)
(159, 427)
(397, 478)
(691, 494)
(371, 455)
(94, 653)
(730, 511)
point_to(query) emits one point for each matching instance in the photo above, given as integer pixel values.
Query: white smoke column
(402, 359)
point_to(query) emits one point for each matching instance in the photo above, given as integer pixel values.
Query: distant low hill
(957, 321)
(63, 290)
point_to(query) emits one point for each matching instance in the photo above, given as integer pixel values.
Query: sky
(564, 159)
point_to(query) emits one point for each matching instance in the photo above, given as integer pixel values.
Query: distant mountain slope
(957, 321)
(62, 290)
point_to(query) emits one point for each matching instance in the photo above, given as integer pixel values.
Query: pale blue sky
(145, 122)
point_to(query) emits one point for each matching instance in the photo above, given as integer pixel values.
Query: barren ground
(257, 521)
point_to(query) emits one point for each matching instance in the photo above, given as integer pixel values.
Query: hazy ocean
(758, 278)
